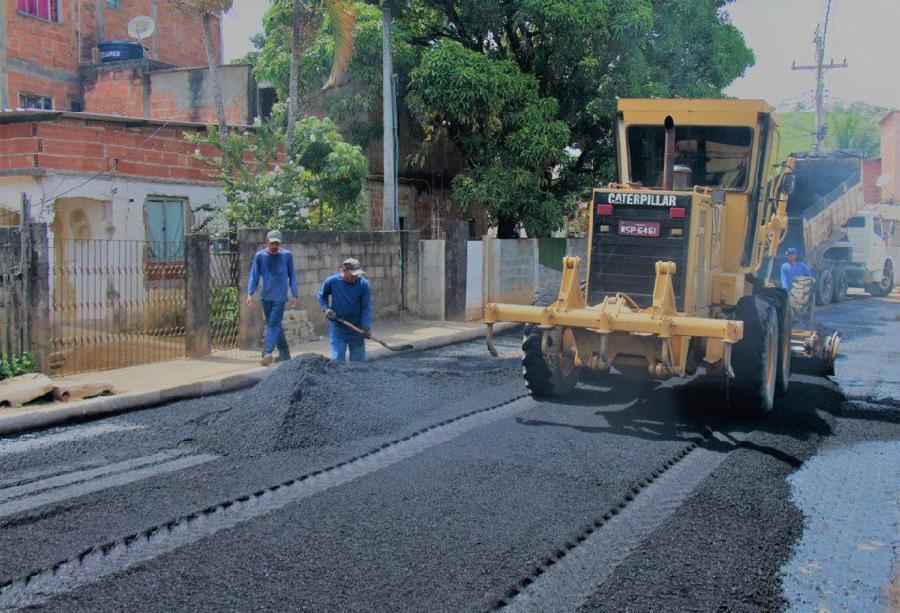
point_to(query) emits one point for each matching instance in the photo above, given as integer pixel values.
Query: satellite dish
(141, 27)
(882, 180)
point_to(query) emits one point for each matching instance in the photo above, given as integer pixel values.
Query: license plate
(639, 228)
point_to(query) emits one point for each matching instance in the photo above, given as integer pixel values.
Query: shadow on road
(683, 412)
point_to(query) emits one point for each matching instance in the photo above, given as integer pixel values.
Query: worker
(350, 300)
(275, 266)
(794, 267)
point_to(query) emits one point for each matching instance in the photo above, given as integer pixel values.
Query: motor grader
(679, 253)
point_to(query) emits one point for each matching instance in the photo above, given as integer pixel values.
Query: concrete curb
(44, 416)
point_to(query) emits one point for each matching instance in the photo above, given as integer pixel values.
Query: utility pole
(820, 68)
(389, 114)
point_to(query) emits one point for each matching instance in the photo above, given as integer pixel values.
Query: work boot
(283, 357)
(266, 359)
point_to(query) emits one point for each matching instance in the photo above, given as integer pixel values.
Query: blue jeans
(274, 312)
(340, 343)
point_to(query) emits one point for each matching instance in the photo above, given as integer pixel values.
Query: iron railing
(115, 304)
(224, 277)
(13, 302)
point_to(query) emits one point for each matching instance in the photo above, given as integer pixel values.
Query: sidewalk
(151, 384)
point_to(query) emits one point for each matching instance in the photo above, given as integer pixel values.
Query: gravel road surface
(431, 481)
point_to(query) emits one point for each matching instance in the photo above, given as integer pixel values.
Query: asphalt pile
(314, 402)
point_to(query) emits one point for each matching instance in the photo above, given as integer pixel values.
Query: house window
(31, 101)
(42, 9)
(165, 229)
(113, 4)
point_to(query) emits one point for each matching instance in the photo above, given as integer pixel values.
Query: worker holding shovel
(349, 311)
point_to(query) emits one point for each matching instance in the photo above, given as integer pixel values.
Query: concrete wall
(511, 270)
(550, 254)
(474, 280)
(318, 255)
(432, 273)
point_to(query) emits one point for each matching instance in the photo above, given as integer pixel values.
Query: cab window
(876, 225)
(856, 222)
(711, 156)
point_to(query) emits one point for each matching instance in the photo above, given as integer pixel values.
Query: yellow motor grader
(679, 253)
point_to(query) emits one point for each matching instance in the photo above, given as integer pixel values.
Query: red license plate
(639, 228)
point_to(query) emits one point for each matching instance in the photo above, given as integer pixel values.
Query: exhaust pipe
(669, 160)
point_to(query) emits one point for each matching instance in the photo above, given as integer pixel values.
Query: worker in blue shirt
(794, 267)
(275, 266)
(351, 301)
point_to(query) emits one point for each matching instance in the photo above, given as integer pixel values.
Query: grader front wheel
(549, 368)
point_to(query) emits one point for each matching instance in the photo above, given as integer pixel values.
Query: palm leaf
(342, 15)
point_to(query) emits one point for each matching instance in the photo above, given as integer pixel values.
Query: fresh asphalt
(429, 482)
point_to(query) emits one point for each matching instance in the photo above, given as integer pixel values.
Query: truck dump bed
(829, 192)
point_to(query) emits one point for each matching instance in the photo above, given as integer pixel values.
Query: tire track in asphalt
(32, 442)
(21, 498)
(566, 579)
(113, 557)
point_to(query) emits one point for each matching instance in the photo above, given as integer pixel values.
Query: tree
(854, 130)
(569, 59)
(316, 183)
(304, 15)
(208, 11)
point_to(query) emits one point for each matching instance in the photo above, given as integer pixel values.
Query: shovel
(362, 333)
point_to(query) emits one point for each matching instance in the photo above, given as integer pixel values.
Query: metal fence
(224, 278)
(115, 304)
(13, 302)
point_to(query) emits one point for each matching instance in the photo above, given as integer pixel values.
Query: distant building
(890, 157)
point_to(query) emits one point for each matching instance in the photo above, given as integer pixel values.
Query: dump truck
(679, 249)
(836, 234)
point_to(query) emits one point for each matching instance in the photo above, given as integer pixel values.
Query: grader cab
(680, 249)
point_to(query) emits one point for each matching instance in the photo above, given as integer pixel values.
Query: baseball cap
(792, 251)
(352, 266)
(274, 236)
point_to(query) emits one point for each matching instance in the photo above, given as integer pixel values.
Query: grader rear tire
(549, 373)
(755, 358)
(801, 297)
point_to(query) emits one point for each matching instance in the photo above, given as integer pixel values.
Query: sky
(865, 32)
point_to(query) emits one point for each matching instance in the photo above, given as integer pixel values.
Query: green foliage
(854, 127)
(855, 131)
(316, 185)
(12, 366)
(526, 89)
(224, 310)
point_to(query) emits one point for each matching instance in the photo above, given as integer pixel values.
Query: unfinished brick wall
(93, 146)
(43, 57)
(141, 89)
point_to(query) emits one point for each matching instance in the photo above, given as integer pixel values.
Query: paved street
(431, 481)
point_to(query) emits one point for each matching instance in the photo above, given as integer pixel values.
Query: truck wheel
(802, 302)
(755, 357)
(841, 286)
(887, 281)
(550, 373)
(824, 288)
(778, 299)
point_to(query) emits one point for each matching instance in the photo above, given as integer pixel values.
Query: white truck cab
(871, 265)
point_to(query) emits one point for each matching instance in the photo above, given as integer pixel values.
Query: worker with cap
(347, 296)
(275, 266)
(794, 267)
